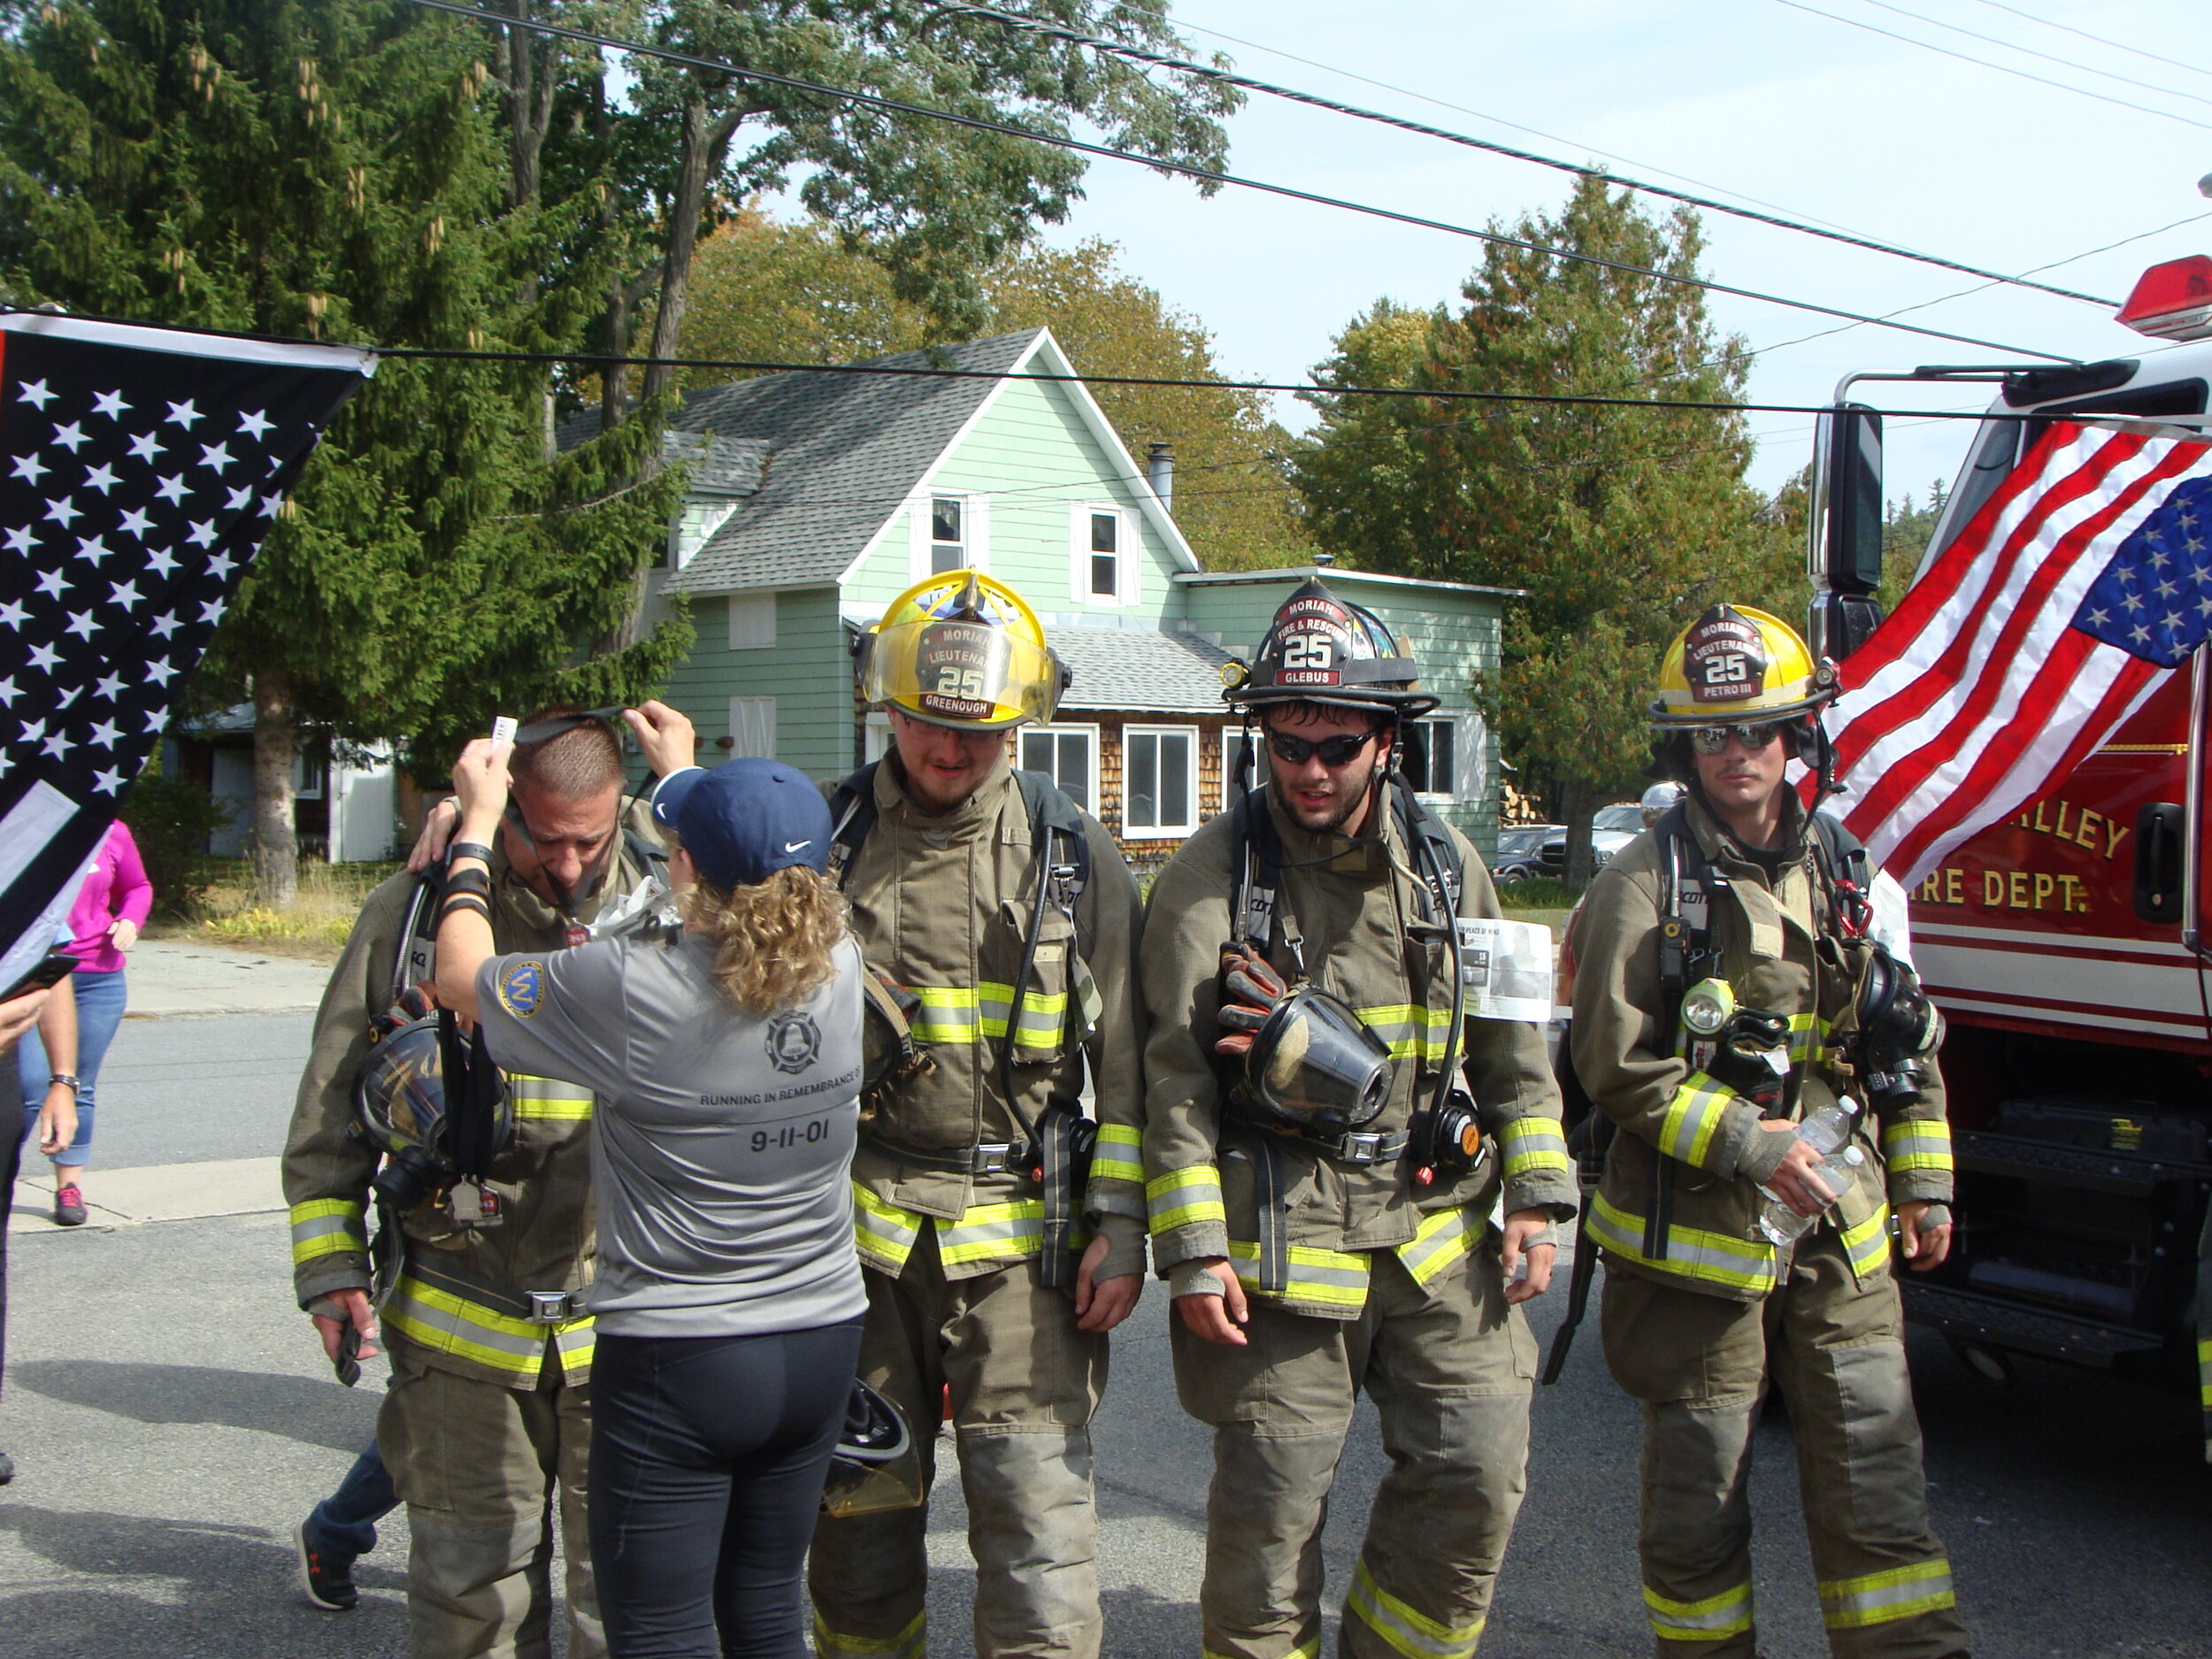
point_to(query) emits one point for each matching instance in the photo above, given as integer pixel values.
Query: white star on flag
(110, 405)
(34, 393)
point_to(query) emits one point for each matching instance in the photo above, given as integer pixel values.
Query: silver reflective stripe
(1414, 1634)
(1727, 1614)
(1880, 1598)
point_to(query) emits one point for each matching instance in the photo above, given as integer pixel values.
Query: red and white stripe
(1977, 693)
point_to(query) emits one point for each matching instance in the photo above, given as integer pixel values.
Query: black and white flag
(140, 469)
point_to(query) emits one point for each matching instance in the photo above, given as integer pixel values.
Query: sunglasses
(1332, 751)
(1710, 740)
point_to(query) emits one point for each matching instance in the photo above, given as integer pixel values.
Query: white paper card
(1506, 967)
(503, 728)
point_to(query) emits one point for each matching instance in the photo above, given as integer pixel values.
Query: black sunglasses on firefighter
(1341, 750)
(1710, 740)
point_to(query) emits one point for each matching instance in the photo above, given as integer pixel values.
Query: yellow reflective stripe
(1693, 1117)
(951, 1013)
(989, 1233)
(1442, 1238)
(1727, 1614)
(1416, 1635)
(883, 1234)
(1116, 1158)
(548, 1099)
(1182, 1196)
(906, 1645)
(1878, 1598)
(1809, 1039)
(947, 1014)
(2204, 1369)
(1714, 1258)
(1867, 1245)
(326, 1226)
(1311, 1648)
(1322, 1277)
(1917, 1143)
(1408, 1030)
(1531, 1144)
(576, 1344)
(438, 1320)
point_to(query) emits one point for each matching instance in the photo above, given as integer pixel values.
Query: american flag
(2073, 593)
(140, 469)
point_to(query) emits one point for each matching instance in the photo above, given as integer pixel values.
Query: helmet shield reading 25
(1315, 1066)
(962, 650)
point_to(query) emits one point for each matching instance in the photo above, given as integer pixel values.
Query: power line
(1159, 165)
(2064, 63)
(1292, 95)
(1984, 63)
(2117, 46)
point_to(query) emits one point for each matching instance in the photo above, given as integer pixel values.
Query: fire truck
(2069, 946)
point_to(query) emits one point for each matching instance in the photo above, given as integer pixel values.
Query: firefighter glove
(1250, 990)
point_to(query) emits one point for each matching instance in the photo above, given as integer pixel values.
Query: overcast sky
(1752, 99)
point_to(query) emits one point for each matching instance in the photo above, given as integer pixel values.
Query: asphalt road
(172, 1421)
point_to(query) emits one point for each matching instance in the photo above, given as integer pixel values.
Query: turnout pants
(482, 1468)
(1024, 1384)
(1700, 1364)
(1450, 1368)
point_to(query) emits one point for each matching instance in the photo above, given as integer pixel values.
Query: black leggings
(707, 1460)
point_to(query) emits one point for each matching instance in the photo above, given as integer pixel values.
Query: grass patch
(1544, 900)
(316, 924)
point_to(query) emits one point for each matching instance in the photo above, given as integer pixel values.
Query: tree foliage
(1622, 523)
(763, 291)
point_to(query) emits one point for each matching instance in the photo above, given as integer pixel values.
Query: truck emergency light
(2172, 300)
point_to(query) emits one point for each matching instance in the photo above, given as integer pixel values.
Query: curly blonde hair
(774, 942)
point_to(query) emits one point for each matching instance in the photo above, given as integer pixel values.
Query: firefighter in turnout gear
(486, 1426)
(1003, 1232)
(1325, 1144)
(1729, 986)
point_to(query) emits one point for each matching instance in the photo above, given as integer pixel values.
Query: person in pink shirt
(111, 908)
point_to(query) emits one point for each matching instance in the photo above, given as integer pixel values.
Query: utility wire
(1160, 164)
(2117, 46)
(1292, 95)
(1984, 63)
(2064, 63)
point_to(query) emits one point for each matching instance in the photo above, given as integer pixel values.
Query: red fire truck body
(2067, 947)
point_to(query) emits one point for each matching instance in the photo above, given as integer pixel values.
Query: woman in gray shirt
(728, 1299)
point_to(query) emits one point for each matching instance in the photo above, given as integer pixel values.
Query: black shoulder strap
(1260, 869)
(1430, 841)
(1845, 871)
(852, 815)
(651, 859)
(1052, 814)
(418, 957)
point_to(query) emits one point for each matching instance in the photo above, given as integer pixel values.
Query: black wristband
(465, 902)
(468, 849)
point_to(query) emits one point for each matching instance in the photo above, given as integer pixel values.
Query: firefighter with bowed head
(1327, 1139)
(1001, 1229)
(1767, 1065)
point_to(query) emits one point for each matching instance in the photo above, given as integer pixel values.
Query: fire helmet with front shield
(1738, 666)
(1321, 648)
(964, 650)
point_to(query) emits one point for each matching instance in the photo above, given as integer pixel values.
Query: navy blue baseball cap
(746, 819)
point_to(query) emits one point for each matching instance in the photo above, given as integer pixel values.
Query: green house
(814, 499)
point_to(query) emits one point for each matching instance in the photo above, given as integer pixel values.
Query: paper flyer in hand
(1506, 967)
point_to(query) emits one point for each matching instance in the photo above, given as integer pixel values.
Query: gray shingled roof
(838, 454)
(1137, 668)
(720, 466)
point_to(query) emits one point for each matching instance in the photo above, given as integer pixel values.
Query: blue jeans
(343, 1524)
(100, 999)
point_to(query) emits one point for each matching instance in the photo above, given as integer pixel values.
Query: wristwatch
(67, 1081)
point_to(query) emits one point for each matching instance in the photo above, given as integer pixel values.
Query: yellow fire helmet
(963, 650)
(1737, 666)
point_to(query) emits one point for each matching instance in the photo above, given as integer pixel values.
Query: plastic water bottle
(1827, 1132)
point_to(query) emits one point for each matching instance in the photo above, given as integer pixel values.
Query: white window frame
(739, 708)
(697, 522)
(875, 736)
(1092, 735)
(752, 621)
(1160, 833)
(1129, 547)
(1451, 722)
(1231, 734)
(975, 530)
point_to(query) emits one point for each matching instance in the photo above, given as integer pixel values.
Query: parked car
(1612, 828)
(1520, 851)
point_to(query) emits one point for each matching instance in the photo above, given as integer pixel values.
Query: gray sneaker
(326, 1581)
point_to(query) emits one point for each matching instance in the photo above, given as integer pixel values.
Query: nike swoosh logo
(793, 846)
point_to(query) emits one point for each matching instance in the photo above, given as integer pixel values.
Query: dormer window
(947, 538)
(1102, 554)
(1105, 556)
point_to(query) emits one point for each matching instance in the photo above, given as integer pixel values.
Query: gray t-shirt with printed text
(720, 1138)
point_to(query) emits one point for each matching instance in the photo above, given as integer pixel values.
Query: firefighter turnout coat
(952, 1234)
(1701, 1311)
(1376, 1283)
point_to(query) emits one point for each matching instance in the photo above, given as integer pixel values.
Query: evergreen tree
(1622, 523)
(340, 169)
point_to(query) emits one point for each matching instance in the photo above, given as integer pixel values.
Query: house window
(947, 539)
(875, 737)
(1232, 746)
(1425, 755)
(752, 621)
(1102, 549)
(1068, 756)
(1105, 556)
(753, 728)
(694, 526)
(1159, 781)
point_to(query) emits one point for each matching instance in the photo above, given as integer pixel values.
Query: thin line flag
(139, 470)
(2062, 605)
